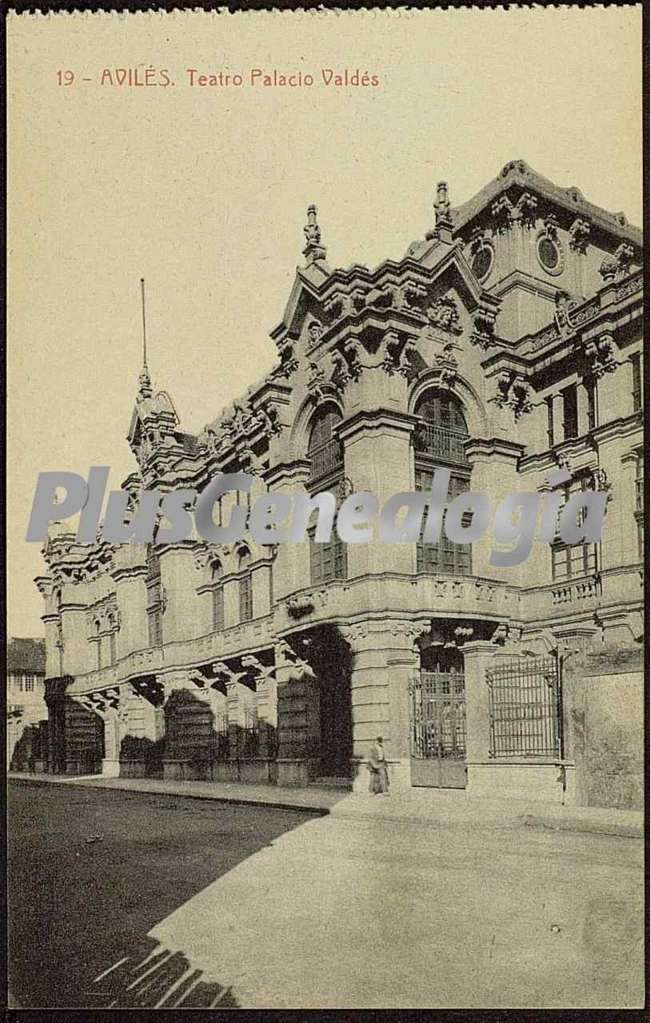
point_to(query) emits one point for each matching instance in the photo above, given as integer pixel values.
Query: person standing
(378, 768)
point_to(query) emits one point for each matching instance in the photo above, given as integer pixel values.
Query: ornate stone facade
(503, 344)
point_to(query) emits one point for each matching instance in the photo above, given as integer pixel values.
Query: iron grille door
(438, 730)
(526, 708)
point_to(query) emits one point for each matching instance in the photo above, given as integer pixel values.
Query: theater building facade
(504, 345)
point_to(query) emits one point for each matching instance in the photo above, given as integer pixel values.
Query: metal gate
(526, 708)
(438, 730)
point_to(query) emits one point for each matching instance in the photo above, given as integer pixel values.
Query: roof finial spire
(442, 208)
(144, 389)
(313, 250)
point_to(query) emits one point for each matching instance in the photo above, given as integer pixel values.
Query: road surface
(124, 900)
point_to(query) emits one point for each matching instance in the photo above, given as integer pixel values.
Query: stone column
(55, 700)
(78, 655)
(267, 705)
(129, 573)
(558, 419)
(291, 567)
(385, 659)
(177, 763)
(494, 472)
(298, 710)
(583, 407)
(478, 657)
(379, 459)
(183, 617)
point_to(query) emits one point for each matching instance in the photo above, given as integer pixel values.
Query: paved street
(132, 899)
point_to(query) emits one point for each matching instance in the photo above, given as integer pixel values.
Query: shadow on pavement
(91, 872)
(152, 977)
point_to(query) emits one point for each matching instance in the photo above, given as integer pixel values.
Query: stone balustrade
(442, 595)
(182, 654)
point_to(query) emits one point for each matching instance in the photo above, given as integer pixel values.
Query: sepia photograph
(325, 510)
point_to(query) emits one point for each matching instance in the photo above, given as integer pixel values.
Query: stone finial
(144, 383)
(442, 209)
(441, 205)
(313, 250)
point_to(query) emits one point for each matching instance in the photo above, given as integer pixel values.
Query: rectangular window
(246, 598)
(444, 557)
(29, 683)
(154, 616)
(578, 560)
(112, 648)
(217, 609)
(638, 484)
(637, 382)
(328, 561)
(570, 399)
(592, 405)
(550, 435)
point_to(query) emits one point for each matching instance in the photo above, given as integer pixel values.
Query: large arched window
(245, 586)
(327, 560)
(217, 597)
(442, 431)
(440, 439)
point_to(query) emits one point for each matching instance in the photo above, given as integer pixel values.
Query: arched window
(96, 627)
(154, 598)
(327, 560)
(245, 586)
(325, 451)
(442, 431)
(217, 596)
(112, 651)
(440, 439)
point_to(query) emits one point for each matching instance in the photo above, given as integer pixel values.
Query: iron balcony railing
(441, 442)
(326, 459)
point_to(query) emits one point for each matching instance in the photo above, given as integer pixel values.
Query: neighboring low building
(505, 344)
(26, 708)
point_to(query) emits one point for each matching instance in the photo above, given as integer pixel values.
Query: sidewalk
(440, 808)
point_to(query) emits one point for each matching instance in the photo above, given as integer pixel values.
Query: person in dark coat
(378, 768)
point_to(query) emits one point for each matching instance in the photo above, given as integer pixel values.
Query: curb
(539, 821)
(320, 811)
(582, 826)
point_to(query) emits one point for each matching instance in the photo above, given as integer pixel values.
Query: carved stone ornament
(564, 306)
(288, 362)
(443, 314)
(615, 267)
(579, 235)
(316, 382)
(314, 334)
(600, 356)
(484, 323)
(397, 354)
(514, 392)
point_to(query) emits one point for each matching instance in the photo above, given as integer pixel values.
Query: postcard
(325, 509)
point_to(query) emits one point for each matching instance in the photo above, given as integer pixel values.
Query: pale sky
(203, 191)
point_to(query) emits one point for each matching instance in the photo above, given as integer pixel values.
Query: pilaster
(385, 657)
